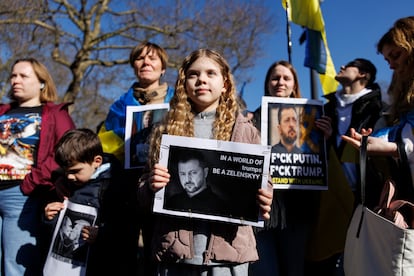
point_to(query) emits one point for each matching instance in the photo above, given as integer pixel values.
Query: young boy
(88, 175)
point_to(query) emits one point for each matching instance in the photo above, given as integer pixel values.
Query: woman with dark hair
(282, 242)
(281, 81)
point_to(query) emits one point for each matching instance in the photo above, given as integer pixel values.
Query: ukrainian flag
(307, 13)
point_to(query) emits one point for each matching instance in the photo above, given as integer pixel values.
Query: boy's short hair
(77, 146)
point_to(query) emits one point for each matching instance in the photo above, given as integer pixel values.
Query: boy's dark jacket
(102, 194)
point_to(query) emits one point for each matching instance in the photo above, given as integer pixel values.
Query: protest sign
(139, 123)
(298, 154)
(211, 179)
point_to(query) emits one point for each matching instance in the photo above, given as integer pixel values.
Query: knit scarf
(145, 96)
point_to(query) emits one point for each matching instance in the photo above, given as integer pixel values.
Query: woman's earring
(42, 85)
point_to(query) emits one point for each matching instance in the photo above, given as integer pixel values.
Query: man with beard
(194, 195)
(288, 130)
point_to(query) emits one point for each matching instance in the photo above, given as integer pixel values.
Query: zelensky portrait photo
(139, 123)
(298, 155)
(190, 189)
(212, 182)
(287, 129)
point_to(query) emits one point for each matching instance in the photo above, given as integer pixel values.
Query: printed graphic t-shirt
(19, 138)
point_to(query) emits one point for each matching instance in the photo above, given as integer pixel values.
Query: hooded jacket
(365, 113)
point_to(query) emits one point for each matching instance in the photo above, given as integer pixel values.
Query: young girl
(204, 106)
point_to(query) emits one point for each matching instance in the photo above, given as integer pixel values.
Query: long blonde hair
(179, 119)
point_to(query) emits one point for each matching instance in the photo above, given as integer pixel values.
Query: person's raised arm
(375, 146)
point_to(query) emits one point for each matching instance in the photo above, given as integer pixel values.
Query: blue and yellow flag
(307, 13)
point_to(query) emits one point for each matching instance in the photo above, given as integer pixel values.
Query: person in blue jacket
(149, 62)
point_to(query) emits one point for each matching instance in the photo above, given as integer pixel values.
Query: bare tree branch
(86, 43)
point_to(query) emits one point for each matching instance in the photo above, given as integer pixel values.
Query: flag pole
(314, 83)
(288, 33)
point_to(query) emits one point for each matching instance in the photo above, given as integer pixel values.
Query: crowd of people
(69, 206)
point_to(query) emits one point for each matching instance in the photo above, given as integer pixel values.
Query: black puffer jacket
(103, 193)
(365, 113)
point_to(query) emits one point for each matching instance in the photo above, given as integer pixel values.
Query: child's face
(80, 173)
(204, 84)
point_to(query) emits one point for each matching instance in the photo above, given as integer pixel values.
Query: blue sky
(353, 28)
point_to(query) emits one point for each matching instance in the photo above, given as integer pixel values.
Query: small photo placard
(139, 123)
(298, 149)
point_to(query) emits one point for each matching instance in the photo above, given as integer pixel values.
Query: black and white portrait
(213, 183)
